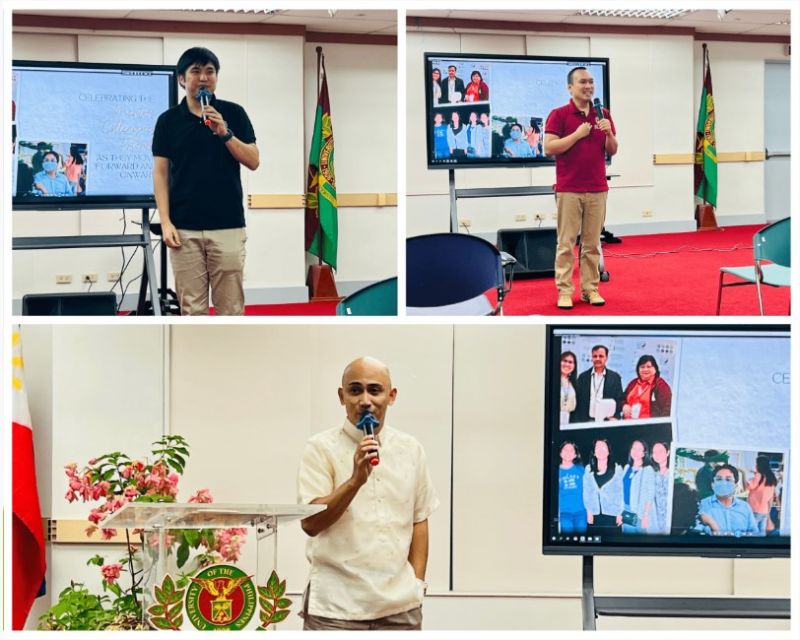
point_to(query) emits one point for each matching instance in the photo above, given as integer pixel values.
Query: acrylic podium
(216, 596)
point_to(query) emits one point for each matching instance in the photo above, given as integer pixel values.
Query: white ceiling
(737, 21)
(366, 21)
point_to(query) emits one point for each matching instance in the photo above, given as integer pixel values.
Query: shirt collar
(356, 434)
(184, 105)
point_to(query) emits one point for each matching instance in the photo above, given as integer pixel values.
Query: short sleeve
(555, 124)
(426, 500)
(160, 145)
(244, 128)
(315, 478)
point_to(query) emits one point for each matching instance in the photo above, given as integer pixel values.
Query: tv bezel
(727, 547)
(488, 163)
(71, 203)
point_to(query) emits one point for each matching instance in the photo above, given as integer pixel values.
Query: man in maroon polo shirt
(579, 142)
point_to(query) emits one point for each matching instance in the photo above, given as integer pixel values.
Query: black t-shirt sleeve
(243, 129)
(160, 145)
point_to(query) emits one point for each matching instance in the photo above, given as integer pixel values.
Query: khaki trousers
(210, 258)
(584, 214)
(405, 621)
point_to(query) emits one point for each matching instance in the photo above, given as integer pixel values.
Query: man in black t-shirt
(197, 151)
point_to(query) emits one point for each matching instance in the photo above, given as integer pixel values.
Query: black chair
(450, 273)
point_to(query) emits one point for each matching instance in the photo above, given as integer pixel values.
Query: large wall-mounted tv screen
(490, 111)
(667, 440)
(82, 133)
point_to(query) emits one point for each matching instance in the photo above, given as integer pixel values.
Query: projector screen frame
(113, 201)
(653, 545)
(489, 163)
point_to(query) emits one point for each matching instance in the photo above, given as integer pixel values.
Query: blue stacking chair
(450, 273)
(376, 299)
(772, 261)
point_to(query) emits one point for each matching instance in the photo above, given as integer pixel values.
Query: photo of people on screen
(436, 87)
(648, 395)
(599, 390)
(603, 490)
(647, 368)
(452, 87)
(660, 522)
(516, 145)
(47, 169)
(477, 90)
(533, 134)
(441, 147)
(569, 382)
(638, 489)
(746, 490)
(571, 510)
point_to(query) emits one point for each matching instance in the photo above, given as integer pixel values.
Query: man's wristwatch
(227, 136)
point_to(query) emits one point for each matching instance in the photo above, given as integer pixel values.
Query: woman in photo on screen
(648, 395)
(437, 88)
(473, 129)
(533, 134)
(571, 512)
(483, 146)
(602, 490)
(49, 181)
(477, 89)
(456, 136)
(569, 379)
(761, 493)
(73, 169)
(638, 489)
(441, 149)
(659, 524)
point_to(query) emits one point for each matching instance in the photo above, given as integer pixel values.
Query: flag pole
(319, 224)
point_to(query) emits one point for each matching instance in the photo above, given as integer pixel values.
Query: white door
(777, 140)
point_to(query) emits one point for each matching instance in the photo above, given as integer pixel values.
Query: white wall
(274, 78)
(655, 87)
(248, 397)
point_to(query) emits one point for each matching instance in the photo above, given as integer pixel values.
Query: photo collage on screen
(657, 435)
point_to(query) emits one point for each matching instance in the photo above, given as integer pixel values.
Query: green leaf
(174, 610)
(281, 589)
(273, 585)
(168, 585)
(192, 537)
(178, 621)
(156, 610)
(278, 616)
(161, 623)
(284, 603)
(176, 597)
(266, 605)
(160, 595)
(96, 560)
(183, 553)
(263, 591)
(264, 617)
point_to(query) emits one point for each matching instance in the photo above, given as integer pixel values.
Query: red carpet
(669, 274)
(293, 309)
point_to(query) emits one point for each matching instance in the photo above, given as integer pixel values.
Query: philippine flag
(27, 537)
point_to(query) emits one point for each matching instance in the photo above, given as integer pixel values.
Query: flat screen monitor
(82, 133)
(500, 96)
(667, 440)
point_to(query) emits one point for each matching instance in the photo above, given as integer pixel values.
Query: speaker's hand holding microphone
(204, 98)
(602, 122)
(368, 450)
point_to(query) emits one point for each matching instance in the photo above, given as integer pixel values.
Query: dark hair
(474, 73)
(452, 66)
(685, 501)
(51, 152)
(644, 360)
(571, 71)
(515, 124)
(730, 468)
(535, 125)
(76, 154)
(653, 463)
(767, 475)
(196, 55)
(436, 69)
(593, 459)
(600, 346)
(573, 377)
(646, 462)
(577, 459)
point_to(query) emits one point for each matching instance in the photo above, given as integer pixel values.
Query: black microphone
(367, 423)
(598, 108)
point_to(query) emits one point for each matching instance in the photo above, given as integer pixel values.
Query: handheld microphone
(598, 108)
(367, 423)
(204, 96)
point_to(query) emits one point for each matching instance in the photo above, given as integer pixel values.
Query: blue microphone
(368, 423)
(204, 97)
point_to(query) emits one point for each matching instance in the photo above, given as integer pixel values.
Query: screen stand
(673, 606)
(491, 192)
(149, 281)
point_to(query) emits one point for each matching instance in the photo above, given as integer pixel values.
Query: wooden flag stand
(321, 285)
(706, 220)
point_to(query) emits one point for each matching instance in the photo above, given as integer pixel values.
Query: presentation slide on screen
(484, 109)
(80, 132)
(672, 434)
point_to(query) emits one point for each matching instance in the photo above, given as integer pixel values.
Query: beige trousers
(584, 214)
(405, 621)
(210, 258)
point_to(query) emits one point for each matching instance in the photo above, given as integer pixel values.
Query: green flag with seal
(321, 219)
(705, 156)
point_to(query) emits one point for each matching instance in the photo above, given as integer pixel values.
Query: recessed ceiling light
(655, 14)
